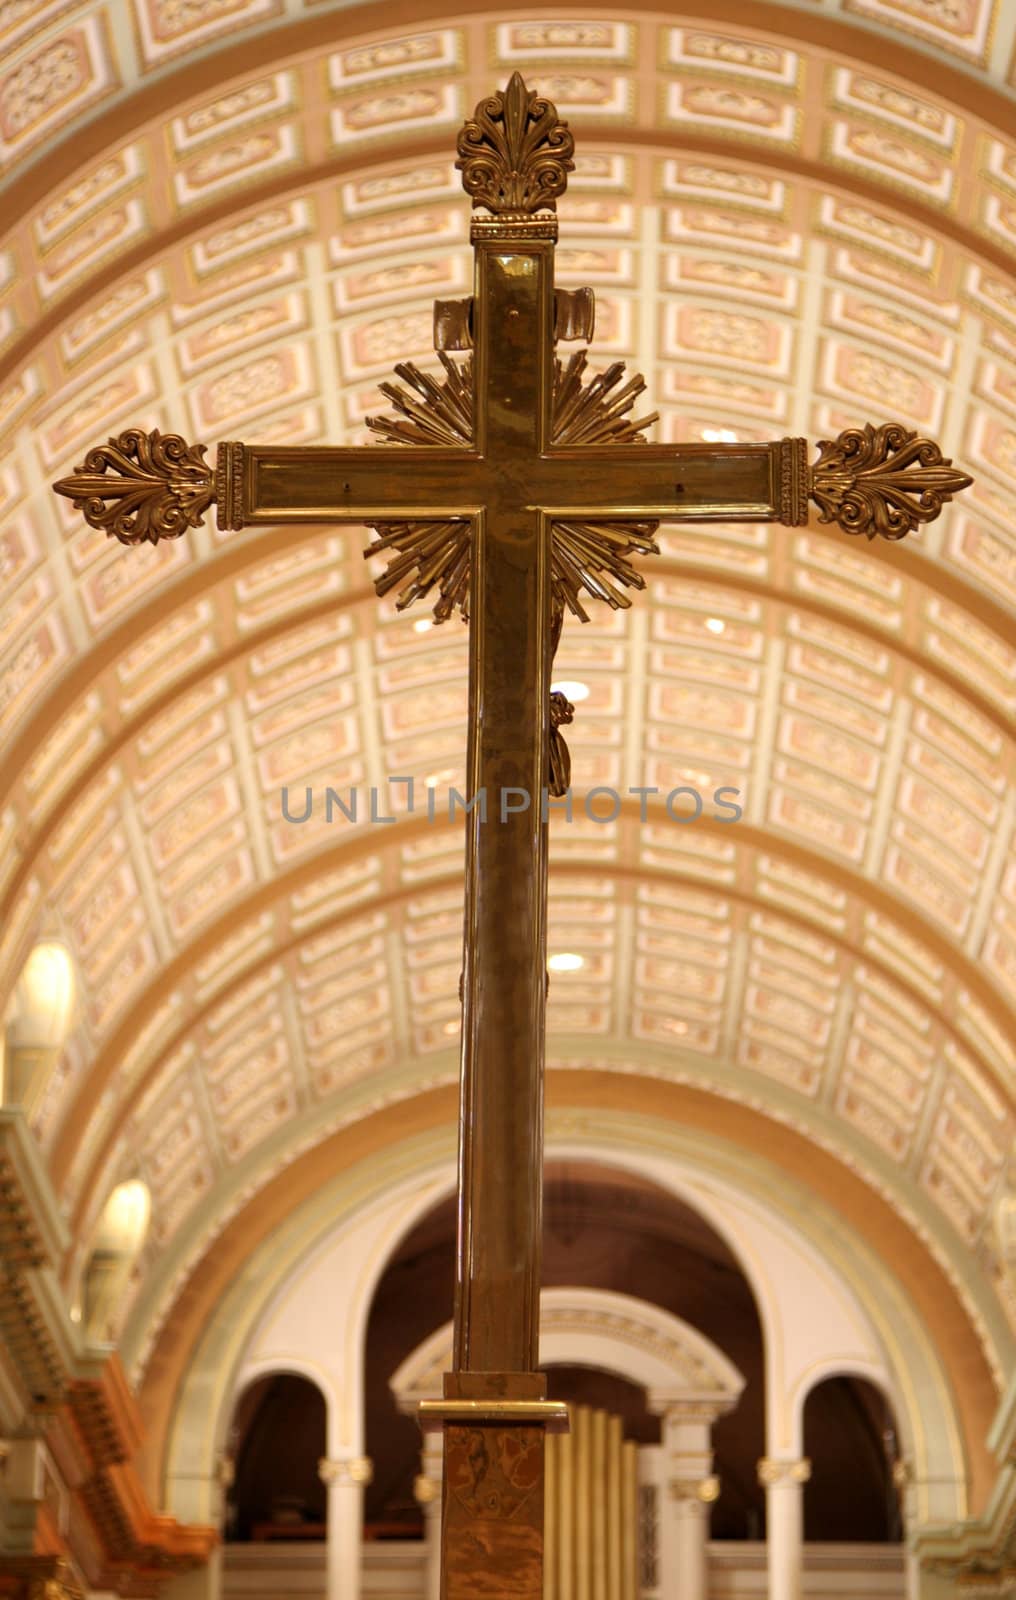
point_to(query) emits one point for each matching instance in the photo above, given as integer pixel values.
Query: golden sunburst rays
(435, 413)
(587, 558)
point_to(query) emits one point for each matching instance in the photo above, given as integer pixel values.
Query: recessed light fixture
(719, 435)
(450, 1028)
(566, 961)
(575, 692)
(422, 625)
(676, 1026)
(715, 624)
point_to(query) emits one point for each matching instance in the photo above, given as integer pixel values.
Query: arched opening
(603, 1229)
(850, 1437)
(116, 1246)
(277, 1438)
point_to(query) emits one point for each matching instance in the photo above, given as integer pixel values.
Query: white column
(784, 1482)
(689, 1489)
(427, 1491)
(346, 1480)
(690, 1500)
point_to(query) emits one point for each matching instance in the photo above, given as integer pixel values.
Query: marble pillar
(427, 1492)
(346, 1479)
(687, 1490)
(783, 1481)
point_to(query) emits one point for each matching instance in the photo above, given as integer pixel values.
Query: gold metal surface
(629, 1520)
(586, 554)
(582, 1433)
(591, 1517)
(598, 1474)
(434, 1413)
(514, 152)
(142, 487)
(615, 1510)
(884, 481)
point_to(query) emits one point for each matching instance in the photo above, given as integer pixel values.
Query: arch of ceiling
(254, 256)
(368, 1200)
(327, 969)
(744, 960)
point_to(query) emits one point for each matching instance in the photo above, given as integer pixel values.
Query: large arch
(289, 1289)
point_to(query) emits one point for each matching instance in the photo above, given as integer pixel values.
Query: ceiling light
(715, 624)
(422, 625)
(677, 1027)
(566, 962)
(450, 1028)
(719, 435)
(575, 692)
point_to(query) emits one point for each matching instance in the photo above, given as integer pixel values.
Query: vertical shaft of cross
(504, 986)
(492, 1509)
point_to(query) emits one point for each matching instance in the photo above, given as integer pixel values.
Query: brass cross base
(495, 1426)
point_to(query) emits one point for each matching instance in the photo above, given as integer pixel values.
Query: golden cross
(515, 489)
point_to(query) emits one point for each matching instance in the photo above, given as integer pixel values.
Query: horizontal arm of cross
(142, 487)
(753, 482)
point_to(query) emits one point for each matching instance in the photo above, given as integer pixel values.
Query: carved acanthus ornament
(352, 1472)
(426, 1490)
(514, 153)
(142, 487)
(772, 1472)
(884, 481)
(700, 1491)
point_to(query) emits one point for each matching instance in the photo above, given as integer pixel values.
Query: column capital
(703, 1490)
(349, 1472)
(773, 1471)
(687, 1408)
(425, 1489)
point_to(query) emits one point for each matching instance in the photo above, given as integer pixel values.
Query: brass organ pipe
(598, 1474)
(566, 1531)
(615, 1509)
(591, 1525)
(630, 1520)
(583, 1487)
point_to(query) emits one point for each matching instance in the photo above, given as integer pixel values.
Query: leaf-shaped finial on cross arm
(514, 152)
(142, 487)
(885, 480)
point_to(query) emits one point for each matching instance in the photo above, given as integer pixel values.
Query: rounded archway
(851, 1437)
(604, 1229)
(276, 1440)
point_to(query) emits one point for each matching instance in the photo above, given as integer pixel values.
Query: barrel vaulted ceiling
(229, 219)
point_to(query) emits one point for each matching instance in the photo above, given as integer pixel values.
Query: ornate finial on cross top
(514, 153)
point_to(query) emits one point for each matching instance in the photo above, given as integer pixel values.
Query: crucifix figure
(513, 489)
